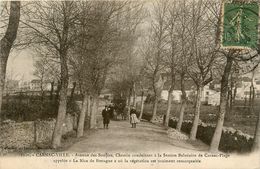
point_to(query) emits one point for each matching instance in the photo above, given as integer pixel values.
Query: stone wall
(44, 130)
(17, 135)
(232, 140)
(68, 124)
(28, 134)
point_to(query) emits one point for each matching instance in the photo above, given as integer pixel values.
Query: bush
(231, 140)
(147, 116)
(30, 108)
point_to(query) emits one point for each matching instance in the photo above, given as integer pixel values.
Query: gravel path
(147, 137)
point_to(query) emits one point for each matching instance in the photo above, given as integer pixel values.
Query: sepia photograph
(130, 84)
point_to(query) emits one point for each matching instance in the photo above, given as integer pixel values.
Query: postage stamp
(240, 25)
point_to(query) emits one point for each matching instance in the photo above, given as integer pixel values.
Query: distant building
(176, 95)
(24, 86)
(35, 85)
(214, 98)
(138, 98)
(206, 95)
(217, 86)
(257, 88)
(11, 86)
(210, 93)
(243, 88)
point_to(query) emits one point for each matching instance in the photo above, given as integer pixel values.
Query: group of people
(107, 113)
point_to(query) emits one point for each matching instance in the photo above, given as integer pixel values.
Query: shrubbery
(231, 140)
(30, 108)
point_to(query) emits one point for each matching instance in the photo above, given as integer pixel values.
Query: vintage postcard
(130, 84)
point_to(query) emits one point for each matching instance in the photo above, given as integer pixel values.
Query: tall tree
(182, 30)
(103, 35)
(7, 42)
(256, 144)
(202, 55)
(172, 58)
(157, 50)
(51, 24)
(232, 56)
(223, 101)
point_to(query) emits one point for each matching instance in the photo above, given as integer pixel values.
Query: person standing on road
(111, 111)
(106, 117)
(133, 117)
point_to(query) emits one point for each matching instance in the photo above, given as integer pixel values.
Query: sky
(20, 65)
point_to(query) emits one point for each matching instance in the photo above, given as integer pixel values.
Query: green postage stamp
(240, 25)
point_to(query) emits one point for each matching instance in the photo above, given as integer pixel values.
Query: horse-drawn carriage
(118, 109)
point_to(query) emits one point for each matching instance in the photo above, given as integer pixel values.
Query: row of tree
(107, 44)
(183, 44)
(79, 41)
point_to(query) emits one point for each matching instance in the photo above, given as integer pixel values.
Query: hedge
(232, 140)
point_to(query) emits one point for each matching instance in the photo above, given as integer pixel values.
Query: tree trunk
(56, 138)
(80, 129)
(42, 91)
(253, 102)
(183, 104)
(155, 105)
(42, 96)
(142, 106)
(134, 95)
(234, 95)
(183, 107)
(169, 105)
(231, 100)
(245, 102)
(72, 91)
(129, 103)
(6, 44)
(228, 106)
(52, 88)
(195, 124)
(230, 93)
(94, 111)
(252, 94)
(256, 144)
(195, 101)
(89, 106)
(222, 107)
(58, 92)
(250, 99)
(2, 83)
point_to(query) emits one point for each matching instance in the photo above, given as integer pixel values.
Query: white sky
(20, 65)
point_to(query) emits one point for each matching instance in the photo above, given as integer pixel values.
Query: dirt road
(120, 137)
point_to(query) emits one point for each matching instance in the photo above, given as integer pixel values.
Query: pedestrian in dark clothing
(111, 111)
(122, 111)
(106, 117)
